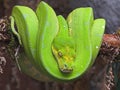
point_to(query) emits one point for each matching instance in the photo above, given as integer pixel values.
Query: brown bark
(111, 45)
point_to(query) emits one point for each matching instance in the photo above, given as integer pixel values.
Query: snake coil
(56, 48)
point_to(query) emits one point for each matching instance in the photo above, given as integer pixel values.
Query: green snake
(62, 49)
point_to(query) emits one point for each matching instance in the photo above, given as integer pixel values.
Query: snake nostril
(65, 65)
(60, 54)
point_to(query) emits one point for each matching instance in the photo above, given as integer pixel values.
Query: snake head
(64, 52)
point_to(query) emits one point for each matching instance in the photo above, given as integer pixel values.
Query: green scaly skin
(54, 49)
(80, 22)
(27, 30)
(87, 34)
(97, 32)
(63, 47)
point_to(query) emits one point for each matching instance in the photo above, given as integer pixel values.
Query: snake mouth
(66, 70)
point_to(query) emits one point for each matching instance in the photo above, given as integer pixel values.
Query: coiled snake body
(57, 48)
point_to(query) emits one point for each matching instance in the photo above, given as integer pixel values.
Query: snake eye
(60, 54)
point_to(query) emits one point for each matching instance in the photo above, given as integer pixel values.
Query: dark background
(13, 79)
(108, 9)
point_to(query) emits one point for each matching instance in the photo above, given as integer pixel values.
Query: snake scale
(57, 48)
